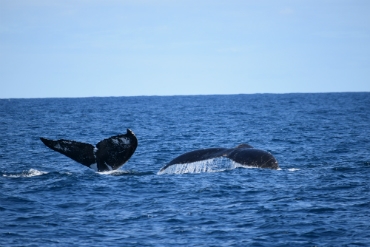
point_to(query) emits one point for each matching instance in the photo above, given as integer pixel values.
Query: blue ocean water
(319, 197)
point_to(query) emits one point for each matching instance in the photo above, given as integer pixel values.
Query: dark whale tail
(109, 154)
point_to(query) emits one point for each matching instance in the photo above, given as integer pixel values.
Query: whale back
(254, 158)
(197, 155)
(244, 145)
(244, 154)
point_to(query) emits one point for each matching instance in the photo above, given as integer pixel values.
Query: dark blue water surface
(319, 197)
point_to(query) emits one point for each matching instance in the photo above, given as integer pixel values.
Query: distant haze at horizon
(98, 48)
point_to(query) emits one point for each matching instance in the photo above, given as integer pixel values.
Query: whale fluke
(243, 154)
(109, 154)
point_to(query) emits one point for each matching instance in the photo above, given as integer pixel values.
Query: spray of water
(210, 165)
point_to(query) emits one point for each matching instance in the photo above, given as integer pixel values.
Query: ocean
(320, 196)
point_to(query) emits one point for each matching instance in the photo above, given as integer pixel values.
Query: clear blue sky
(81, 48)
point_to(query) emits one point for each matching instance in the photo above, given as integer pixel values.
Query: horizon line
(179, 95)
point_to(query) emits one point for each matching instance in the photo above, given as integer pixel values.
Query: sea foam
(26, 174)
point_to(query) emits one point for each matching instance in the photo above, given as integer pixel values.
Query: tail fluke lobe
(113, 152)
(81, 152)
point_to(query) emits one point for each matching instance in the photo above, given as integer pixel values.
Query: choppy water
(320, 196)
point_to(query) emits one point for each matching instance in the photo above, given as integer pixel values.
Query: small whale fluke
(243, 154)
(109, 154)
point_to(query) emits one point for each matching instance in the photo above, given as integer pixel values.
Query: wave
(26, 174)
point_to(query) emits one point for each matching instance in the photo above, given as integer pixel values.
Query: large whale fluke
(243, 154)
(109, 154)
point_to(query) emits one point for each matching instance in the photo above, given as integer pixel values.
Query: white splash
(210, 165)
(26, 174)
(293, 169)
(115, 172)
(95, 167)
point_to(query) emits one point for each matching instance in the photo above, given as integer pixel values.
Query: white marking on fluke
(125, 140)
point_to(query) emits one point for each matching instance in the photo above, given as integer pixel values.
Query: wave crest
(26, 174)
